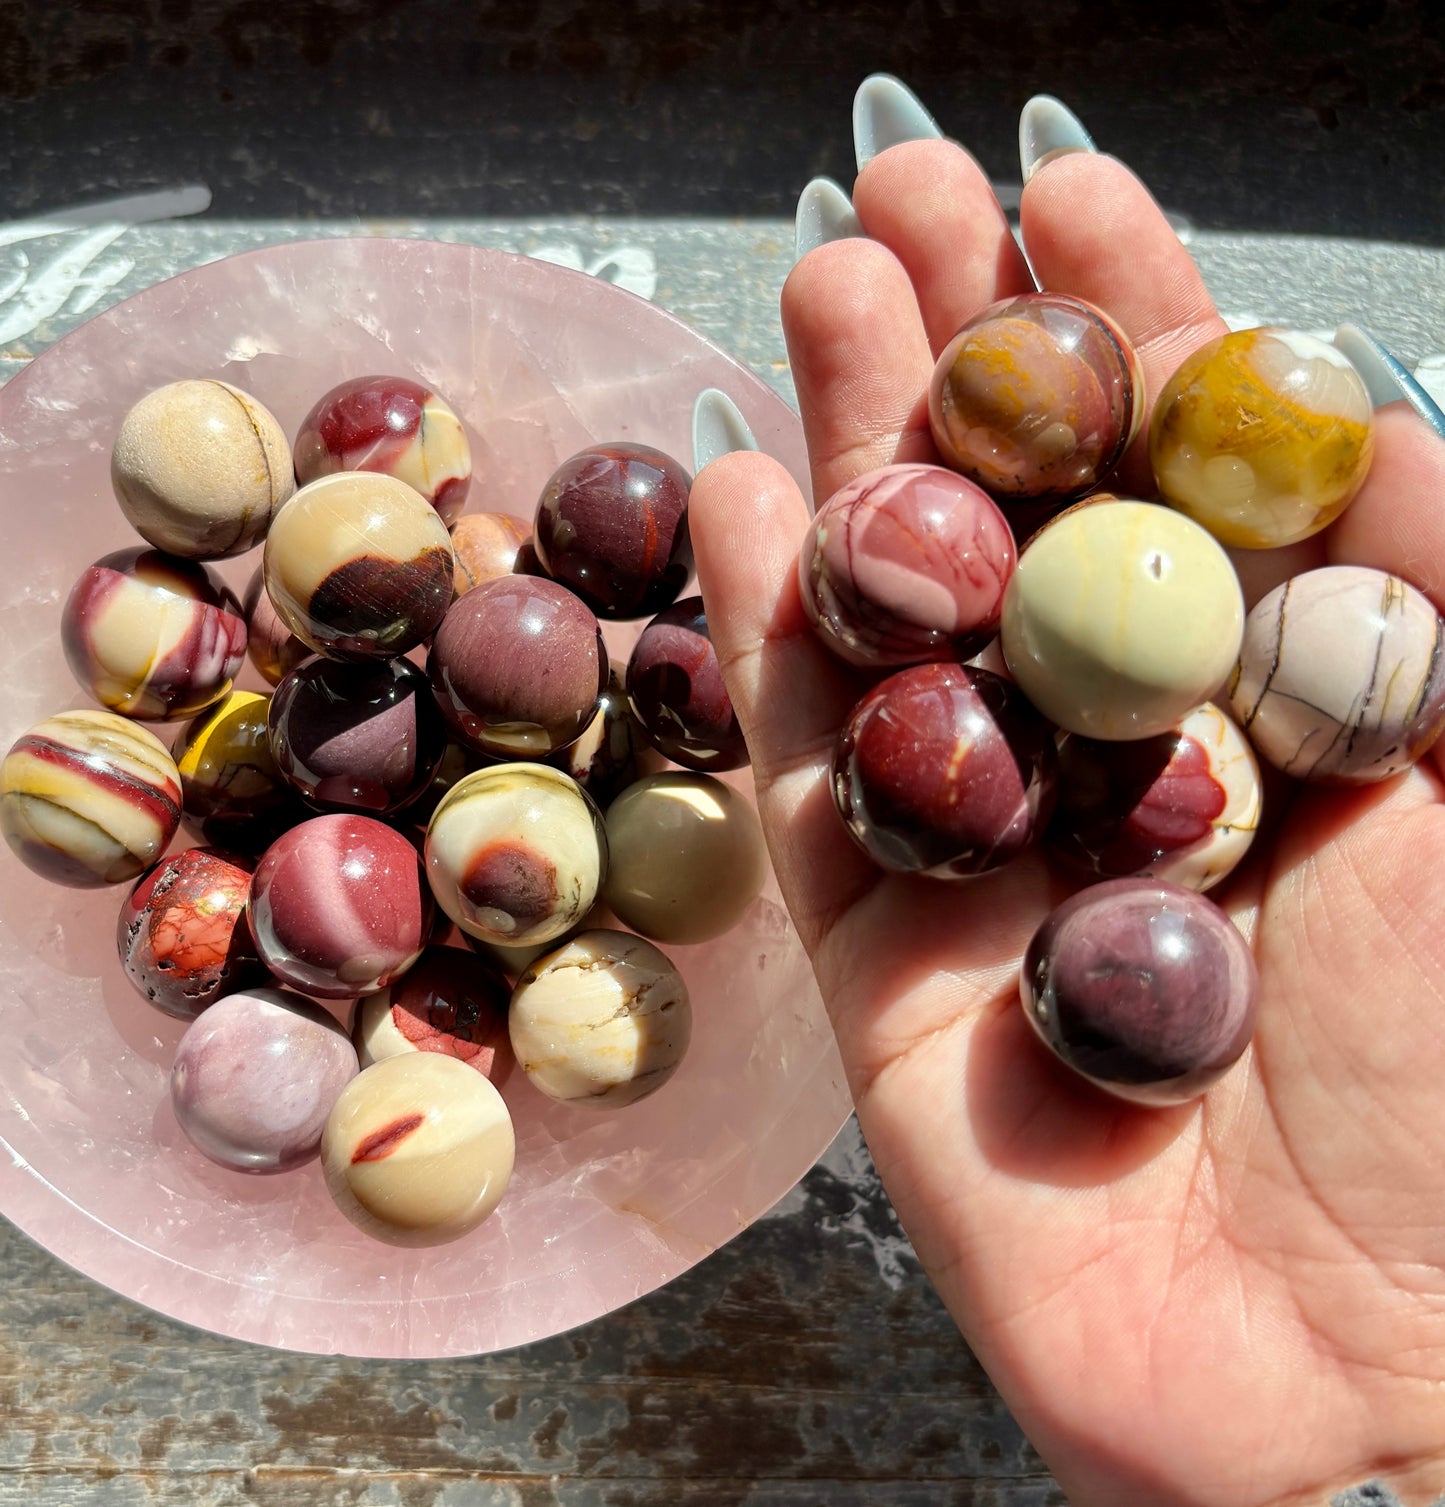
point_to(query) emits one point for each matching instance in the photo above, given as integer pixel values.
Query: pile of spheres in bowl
(385, 731)
(1062, 666)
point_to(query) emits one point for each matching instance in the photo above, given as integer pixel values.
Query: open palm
(1237, 1302)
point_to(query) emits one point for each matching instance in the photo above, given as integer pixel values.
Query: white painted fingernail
(1386, 379)
(825, 213)
(885, 113)
(717, 428)
(1049, 129)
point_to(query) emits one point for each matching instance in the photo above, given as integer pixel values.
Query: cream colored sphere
(200, 468)
(1121, 618)
(604, 1020)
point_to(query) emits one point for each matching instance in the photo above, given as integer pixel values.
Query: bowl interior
(539, 361)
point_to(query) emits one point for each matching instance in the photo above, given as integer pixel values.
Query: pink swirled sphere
(906, 565)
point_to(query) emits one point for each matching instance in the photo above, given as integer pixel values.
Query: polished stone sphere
(1146, 989)
(361, 737)
(676, 688)
(339, 907)
(943, 770)
(1036, 398)
(905, 565)
(517, 667)
(611, 525)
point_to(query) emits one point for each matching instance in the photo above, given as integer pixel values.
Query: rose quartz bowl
(539, 362)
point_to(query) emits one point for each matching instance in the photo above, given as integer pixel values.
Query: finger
(930, 203)
(747, 520)
(860, 361)
(1397, 522)
(1093, 230)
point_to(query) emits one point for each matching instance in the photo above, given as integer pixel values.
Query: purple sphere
(675, 685)
(612, 526)
(517, 667)
(183, 937)
(905, 565)
(356, 737)
(256, 1077)
(1144, 988)
(339, 906)
(944, 770)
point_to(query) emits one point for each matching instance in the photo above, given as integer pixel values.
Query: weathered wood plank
(808, 1361)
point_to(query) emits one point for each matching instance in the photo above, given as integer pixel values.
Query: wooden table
(808, 1362)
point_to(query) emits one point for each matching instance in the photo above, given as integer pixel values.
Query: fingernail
(1049, 129)
(886, 112)
(825, 213)
(1386, 379)
(717, 428)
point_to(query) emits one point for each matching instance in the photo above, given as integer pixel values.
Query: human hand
(1239, 1302)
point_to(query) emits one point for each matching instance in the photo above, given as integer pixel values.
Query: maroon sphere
(944, 770)
(394, 426)
(153, 636)
(612, 525)
(517, 666)
(356, 737)
(675, 685)
(183, 938)
(1146, 989)
(1124, 806)
(450, 1001)
(339, 906)
(905, 565)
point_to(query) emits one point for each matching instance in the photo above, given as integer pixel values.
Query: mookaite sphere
(274, 648)
(1182, 806)
(1341, 676)
(152, 636)
(1263, 436)
(517, 667)
(1121, 618)
(603, 1021)
(943, 770)
(88, 798)
(1036, 398)
(338, 906)
(486, 546)
(515, 854)
(357, 565)
(393, 426)
(604, 760)
(418, 1150)
(255, 1078)
(612, 525)
(234, 796)
(906, 564)
(686, 857)
(182, 935)
(200, 468)
(676, 688)
(1144, 988)
(449, 1001)
(356, 737)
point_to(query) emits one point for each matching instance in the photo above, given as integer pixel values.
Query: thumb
(747, 520)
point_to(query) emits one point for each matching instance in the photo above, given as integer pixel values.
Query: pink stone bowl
(539, 361)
